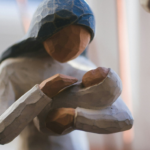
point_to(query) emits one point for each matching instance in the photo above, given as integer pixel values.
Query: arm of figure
(20, 113)
(14, 115)
(112, 119)
(28, 106)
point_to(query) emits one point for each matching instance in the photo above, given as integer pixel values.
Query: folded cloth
(111, 119)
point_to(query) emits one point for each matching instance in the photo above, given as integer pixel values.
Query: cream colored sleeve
(111, 119)
(21, 112)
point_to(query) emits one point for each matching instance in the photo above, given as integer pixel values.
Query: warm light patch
(124, 63)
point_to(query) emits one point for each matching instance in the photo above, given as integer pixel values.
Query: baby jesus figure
(42, 94)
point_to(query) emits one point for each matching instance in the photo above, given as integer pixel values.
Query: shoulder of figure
(29, 60)
(12, 64)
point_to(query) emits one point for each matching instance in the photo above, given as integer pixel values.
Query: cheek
(64, 54)
(67, 46)
(67, 50)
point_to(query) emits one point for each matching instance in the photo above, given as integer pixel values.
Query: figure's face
(68, 43)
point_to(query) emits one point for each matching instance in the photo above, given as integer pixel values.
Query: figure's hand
(56, 83)
(95, 76)
(60, 119)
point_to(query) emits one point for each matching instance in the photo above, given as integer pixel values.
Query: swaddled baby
(99, 89)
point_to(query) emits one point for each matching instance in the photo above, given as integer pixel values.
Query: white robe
(18, 75)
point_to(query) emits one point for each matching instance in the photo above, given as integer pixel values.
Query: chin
(65, 60)
(62, 61)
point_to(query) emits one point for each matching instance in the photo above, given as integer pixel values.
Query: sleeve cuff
(42, 94)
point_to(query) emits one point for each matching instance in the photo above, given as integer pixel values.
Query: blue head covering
(50, 17)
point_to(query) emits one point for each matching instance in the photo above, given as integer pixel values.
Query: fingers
(60, 119)
(95, 76)
(65, 80)
(56, 83)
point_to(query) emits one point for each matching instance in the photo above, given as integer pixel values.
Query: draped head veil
(50, 17)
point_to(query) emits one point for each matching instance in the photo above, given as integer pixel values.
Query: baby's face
(68, 43)
(95, 76)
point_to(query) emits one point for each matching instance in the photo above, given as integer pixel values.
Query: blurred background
(122, 42)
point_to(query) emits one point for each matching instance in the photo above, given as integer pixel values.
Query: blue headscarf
(50, 17)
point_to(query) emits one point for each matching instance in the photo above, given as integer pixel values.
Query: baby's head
(95, 76)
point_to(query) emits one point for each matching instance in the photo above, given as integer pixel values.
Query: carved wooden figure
(42, 94)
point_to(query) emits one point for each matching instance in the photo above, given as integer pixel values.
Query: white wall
(106, 39)
(138, 36)
(103, 51)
